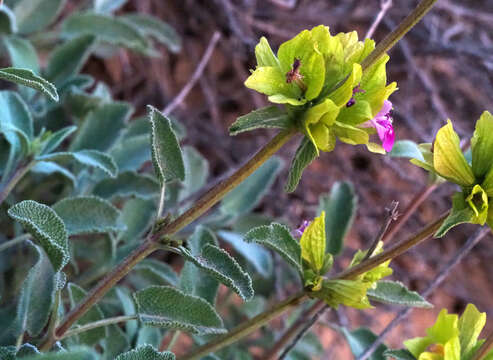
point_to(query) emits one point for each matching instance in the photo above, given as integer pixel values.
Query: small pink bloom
(299, 231)
(382, 122)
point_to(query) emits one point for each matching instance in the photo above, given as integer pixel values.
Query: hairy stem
(14, 179)
(96, 324)
(246, 328)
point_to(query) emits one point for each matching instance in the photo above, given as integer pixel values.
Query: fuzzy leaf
(34, 15)
(164, 306)
(407, 149)
(165, 149)
(361, 339)
(398, 355)
(67, 59)
(396, 293)
(146, 352)
(22, 53)
(249, 193)
(28, 78)
(76, 353)
(159, 269)
(46, 227)
(137, 215)
(108, 6)
(92, 158)
(127, 184)
(88, 215)
(91, 337)
(305, 154)
(482, 145)
(56, 139)
(278, 238)
(115, 343)
(267, 117)
(102, 127)
(340, 209)
(151, 26)
(218, 263)
(131, 153)
(8, 23)
(313, 243)
(196, 172)
(48, 168)
(37, 296)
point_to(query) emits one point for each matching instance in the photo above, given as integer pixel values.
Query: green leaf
(115, 343)
(108, 6)
(264, 54)
(91, 158)
(48, 168)
(361, 339)
(482, 145)
(398, 354)
(55, 139)
(164, 306)
(68, 59)
(196, 172)
(128, 184)
(8, 23)
(159, 270)
(46, 227)
(22, 53)
(137, 215)
(80, 102)
(88, 215)
(91, 337)
(265, 118)
(455, 218)
(248, 194)
(305, 154)
(128, 306)
(151, 26)
(37, 296)
(28, 78)
(313, 243)
(105, 27)
(218, 263)
(448, 159)
(278, 238)
(346, 292)
(340, 209)
(396, 293)
(149, 336)
(131, 153)
(8, 352)
(165, 149)
(76, 353)
(102, 127)
(256, 255)
(407, 149)
(471, 323)
(34, 15)
(146, 352)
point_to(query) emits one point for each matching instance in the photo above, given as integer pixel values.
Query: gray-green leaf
(305, 154)
(165, 149)
(88, 215)
(218, 263)
(46, 227)
(160, 271)
(128, 184)
(165, 306)
(131, 153)
(22, 53)
(28, 78)
(8, 23)
(267, 117)
(76, 353)
(396, 293)
(340, 209)
(278, 238)
(407, 149)
(196, 172)
(92, 158)
(361, 339)
(108, 6)
(137, 215)
(146, 352)
(34, 15)
(56, 139)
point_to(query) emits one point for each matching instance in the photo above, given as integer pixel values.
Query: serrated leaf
(128, 184)
(278, 238)
(88, 215)
(196, 172)
(248, 194)
(396, 293)
(102, 127)
(407, 149)
(131, 153)
(137, 215)
(398, 355)
(168, 307)
(90, 337)
(108, 6)
(165, 149)
(361, 339)
(92, 158)
(56, 139)
(37, 296)
(256, 255)
(68, 59)
(152, 26)
(34, 15)
(105, 27)
(75, 353)
(340, 210)
(267, 117)
(159, 270)
(146, 352)
(46, 227)
(28, 78)
(8, 23)
(305, 154)
(22, 53)
(218, 263)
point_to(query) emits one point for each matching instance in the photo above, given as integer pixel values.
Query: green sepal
(344, 292)
(478, 202)
(375, 274)
(482, 145)
(317, 122)
(313, 244)
(487, 184)
(328, 263)
(343, 93)
(264, 54)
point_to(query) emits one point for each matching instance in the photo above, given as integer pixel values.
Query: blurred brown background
(444, 69)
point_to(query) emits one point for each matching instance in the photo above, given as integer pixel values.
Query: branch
(385, 5)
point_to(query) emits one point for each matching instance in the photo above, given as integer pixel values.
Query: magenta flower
(382, 122)
(299, 231)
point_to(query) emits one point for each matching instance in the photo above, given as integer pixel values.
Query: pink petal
(387, 106)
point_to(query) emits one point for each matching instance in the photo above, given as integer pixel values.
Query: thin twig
(442, 275)
(14, 241)
(96, 324)
(385, 5)
(195, 76)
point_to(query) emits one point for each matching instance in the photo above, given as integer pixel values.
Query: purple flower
(382, 122)
(299, 231)
(356, 90)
